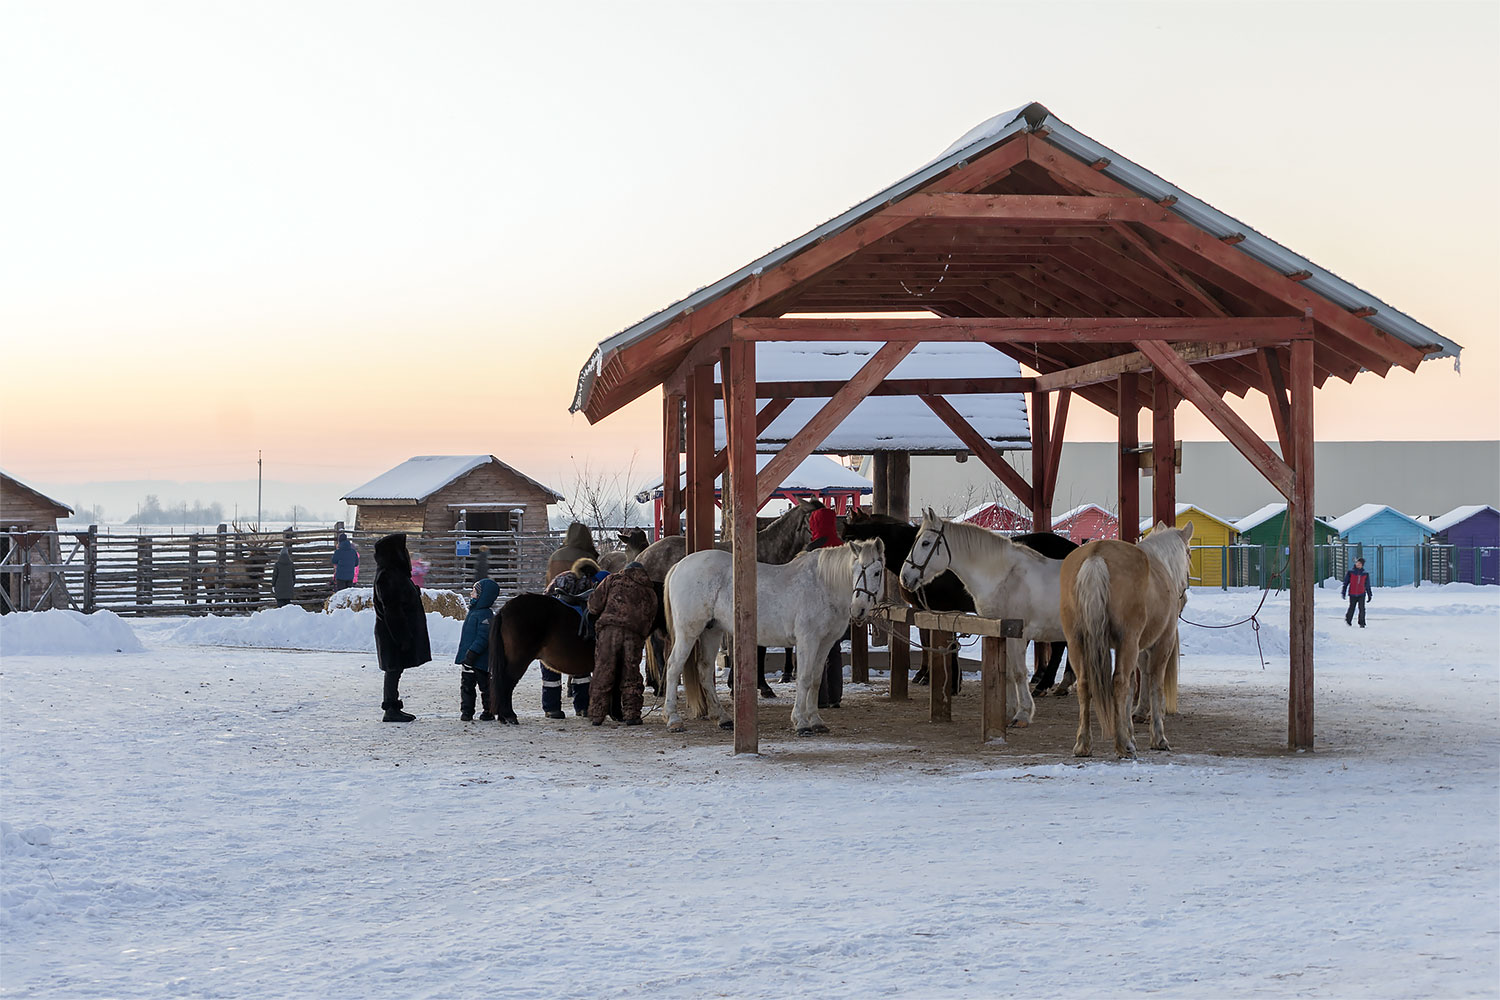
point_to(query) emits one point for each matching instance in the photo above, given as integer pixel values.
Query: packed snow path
(200, 820)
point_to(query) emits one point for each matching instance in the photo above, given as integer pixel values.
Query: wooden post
(671, 464)
(880, 471)
(898, 647)
(739, 425)
(859, 653)
(1041, 426)
(91, 570)
(940, 697)
(1301, 568)
(992, 687)
(1129, 405)
(1163, 434)
(898, 504)
(700, 457)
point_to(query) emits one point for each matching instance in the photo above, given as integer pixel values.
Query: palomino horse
(1125, 598)
(946, 592)
(806, 603)
(1006, 580)
(533, 627)
(776, 544)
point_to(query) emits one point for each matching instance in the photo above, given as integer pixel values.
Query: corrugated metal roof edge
(1032, 117)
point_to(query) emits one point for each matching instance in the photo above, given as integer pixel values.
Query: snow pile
(60, 632)
(292, 628)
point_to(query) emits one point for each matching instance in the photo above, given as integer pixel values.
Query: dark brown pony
(533, 627)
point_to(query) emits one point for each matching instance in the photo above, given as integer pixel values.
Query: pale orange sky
(344, 234)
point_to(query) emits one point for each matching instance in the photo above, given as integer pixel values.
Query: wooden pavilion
(1112, 284)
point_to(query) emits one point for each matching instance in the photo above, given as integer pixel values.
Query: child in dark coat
(400, 623)
(473, 650)
(625, 603)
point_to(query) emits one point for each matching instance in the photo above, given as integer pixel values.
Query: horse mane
(972, 540)
(835, 566)
(1163, 548)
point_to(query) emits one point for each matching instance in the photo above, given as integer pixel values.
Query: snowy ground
(204, 820)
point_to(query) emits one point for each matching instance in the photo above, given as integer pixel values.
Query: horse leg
(656, 659)
(1069, 677)
(1160, 662)
(1023, 708)
(712, 639)
(1083, 742)
(760, 673)
(788, 665)
(682, 646)
(805, 718)
(1127, 666)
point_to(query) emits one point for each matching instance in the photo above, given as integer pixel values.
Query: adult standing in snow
(573, 588)
(625, 603)
(284, 575)
(825, 534)
(400, 623)
(1357, 589)
(473, 650)
(345, 563)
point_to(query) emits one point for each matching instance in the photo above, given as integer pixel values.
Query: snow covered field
(186, 818)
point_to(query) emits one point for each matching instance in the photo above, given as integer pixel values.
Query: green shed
(1261, 557)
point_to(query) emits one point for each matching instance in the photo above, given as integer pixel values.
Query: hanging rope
(1254, 621)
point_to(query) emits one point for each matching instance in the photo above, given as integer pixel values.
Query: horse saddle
(580, 604)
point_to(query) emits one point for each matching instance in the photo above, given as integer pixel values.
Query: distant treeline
(152, 511)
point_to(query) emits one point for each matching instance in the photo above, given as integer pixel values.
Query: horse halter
(942, 539)
(862, 582)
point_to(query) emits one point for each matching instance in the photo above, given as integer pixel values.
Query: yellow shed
(1210, 534)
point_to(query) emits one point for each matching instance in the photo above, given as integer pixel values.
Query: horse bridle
(862, 582)
(942, 539)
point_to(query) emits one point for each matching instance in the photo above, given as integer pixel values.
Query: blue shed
(1474, 533)
(1393, 545)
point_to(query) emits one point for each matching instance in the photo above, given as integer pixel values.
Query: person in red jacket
(1357, 589)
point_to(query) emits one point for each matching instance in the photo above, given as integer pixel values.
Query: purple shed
(1474, 533)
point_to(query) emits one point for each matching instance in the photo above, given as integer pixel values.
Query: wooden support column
(671, 464)
(1163, 434)
(700, 456)
(992, 684)
(739, 423)
(1302, 568)
(879, 466)
(1130, 460)
(898, 484)
(1041, 426)
(859, 653)
(898, 504)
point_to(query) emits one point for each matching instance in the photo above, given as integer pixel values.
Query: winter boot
(581, 687)
(393, 712)
(552, 694)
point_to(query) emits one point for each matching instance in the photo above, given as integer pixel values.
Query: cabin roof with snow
(1458, 515)
(1366, 511)
(22, 505)
(417, 479)
(1081, 509)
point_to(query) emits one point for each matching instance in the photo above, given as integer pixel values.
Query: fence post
(90, 568)
(143, 569)
(220, 560)
(1224, 567)
(25, 548)
(190, 592)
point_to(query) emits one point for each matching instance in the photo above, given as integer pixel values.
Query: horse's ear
(1187, 532)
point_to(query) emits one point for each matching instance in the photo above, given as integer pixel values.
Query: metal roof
(1036, 118)
(416, 479)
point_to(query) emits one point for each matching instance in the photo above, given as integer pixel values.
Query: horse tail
(1091, 598)
(497, 662)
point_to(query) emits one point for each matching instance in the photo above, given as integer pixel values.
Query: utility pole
(259, 464)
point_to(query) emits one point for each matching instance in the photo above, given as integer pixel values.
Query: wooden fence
(229, 572)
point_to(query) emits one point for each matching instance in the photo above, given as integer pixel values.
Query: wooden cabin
(1085, 523)
(1211, 535)
(1474, 532)
(22, 510)
(428, 493)
(1391, 543)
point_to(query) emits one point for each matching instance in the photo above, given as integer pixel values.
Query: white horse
(806, 603)
(1006, 580)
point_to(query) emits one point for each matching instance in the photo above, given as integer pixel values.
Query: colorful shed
(1473, 531)
(1391, 543)
(1212, 535)
(997, 517)
(1267, 530)
(1086, 523)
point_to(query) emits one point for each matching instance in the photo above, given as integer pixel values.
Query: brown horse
(1125, 598)
(533, 627)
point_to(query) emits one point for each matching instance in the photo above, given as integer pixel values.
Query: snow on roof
(418, 478)
(890, 423)
(1365, 511)
(1046, 127)
(1256, 518)
(817, 474)
(29, 489)
(1068, 515)
(1147, 523)
(1457, 515)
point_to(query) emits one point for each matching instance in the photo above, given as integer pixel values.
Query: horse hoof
(676, 727)
(1019, 723)
(726, 724)
(1163, 745)
(1079, 750)
(766, 692)
(509, 720)
(806, 731)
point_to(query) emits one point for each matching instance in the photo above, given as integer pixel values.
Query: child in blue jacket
(473, 650)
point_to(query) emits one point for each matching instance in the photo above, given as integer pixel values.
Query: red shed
(1087, 523)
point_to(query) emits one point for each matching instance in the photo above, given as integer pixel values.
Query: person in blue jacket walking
(345, 563)
(473, 650)
(1357, 589)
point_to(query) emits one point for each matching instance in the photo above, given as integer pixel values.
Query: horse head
(869, 577)
(930, 553)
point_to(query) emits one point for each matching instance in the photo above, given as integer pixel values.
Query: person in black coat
(400, 623)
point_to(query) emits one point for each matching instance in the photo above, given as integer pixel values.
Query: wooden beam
(739, 422)
(763, 419)
(700, 482)
(1302, 566)
(1275, 389)
(1054, 450)
(1110, 368)
(1044, 329)
(1041, 451)
(983, 170)
(992, 669)
(795, 451)
(1174, 272)
(671, 466)
(899, 387)
(1030, 207)
(981, 448)
(1230, 424)
(1163, 444)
